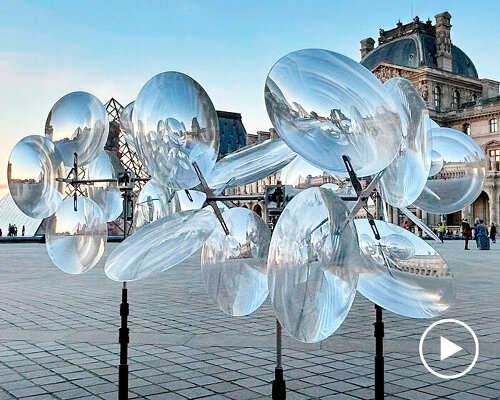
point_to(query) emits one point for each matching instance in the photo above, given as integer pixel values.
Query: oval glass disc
(250, 164)
(405, 177)
(33, 167)
(234, 267)
(128, 126)
(462, 177)
(325, 105)
(160, 245)
(75, 240)
(153, 203)
(414, 281)
(106, 194)
(311, 276)
(175, 124)
(78, 123)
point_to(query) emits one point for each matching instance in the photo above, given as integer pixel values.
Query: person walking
(493, 232)
(467, 232)
(23, 230)
(441, 232)
(475, 231)
(482, 236)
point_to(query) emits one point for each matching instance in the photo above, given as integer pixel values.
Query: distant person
(493, 232)
(406, 226)
(15, 230)
(475, 229)
(482, 236)
(441, 232)
(1, 233)
(467, 232)
(23, 231)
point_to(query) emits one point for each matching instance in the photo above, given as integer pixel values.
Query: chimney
(443, 41)
(367, 45)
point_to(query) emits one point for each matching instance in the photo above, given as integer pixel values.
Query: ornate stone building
(447, 79)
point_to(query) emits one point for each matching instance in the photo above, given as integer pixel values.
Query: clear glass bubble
(325, 105)
(175, 124)
(397, 246)
(404, 275)
(234, 266)
(154, 202)
(160, 245)
(33, 167)
(106, 194)
(312, 256)
(302, 175)
(78, 123)
(250, 164)
(75, 240)
(405, 177)
(462, 177)
(128, 126)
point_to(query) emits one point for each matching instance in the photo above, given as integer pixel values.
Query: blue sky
(111, 48)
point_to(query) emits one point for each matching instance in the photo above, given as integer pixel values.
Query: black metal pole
(279, 384)
(379, 353)
(124, 340)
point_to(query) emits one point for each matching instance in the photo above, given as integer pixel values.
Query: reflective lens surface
(462, 177)
(78, 123)
(250, 164)
(154, 202)
(405, 177)
(175, 124)
(192, 200)
(34, 164)
(234, 267)
(402, 273)
(106, 194)
(325, 105)
(311, 276)
(75, 240)
(160, 245)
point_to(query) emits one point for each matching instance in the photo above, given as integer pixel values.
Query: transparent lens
(75, 240)
(78, 123)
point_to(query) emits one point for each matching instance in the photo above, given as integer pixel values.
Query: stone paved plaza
(58, 338)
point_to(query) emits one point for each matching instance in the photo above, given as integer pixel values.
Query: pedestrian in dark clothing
(493, 232)
(467, 232)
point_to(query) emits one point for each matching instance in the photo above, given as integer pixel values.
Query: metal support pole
(124, 340)
(379, 353)
(279, 384)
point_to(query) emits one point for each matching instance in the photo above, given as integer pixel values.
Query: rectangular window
(495, 155)
(494, 125)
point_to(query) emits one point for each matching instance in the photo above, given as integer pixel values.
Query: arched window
(437, 98)
(466, 129)
(456, 99)
(494, 125)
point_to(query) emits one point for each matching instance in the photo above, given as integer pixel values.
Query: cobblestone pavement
(58, 337)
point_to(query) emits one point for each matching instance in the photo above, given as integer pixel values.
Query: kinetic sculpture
(335, 120)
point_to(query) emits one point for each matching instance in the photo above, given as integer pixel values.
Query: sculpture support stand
(279, 385)
(379, 353)
(124, 340)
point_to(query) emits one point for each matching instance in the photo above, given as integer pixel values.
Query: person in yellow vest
(441, 232)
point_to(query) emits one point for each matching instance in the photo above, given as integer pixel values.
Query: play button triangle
(448, 348)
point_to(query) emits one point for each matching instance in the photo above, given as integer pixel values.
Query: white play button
(448, 348)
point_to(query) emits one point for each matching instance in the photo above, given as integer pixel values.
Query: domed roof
(417, 50)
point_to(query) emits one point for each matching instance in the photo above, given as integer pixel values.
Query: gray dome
(417, 50)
